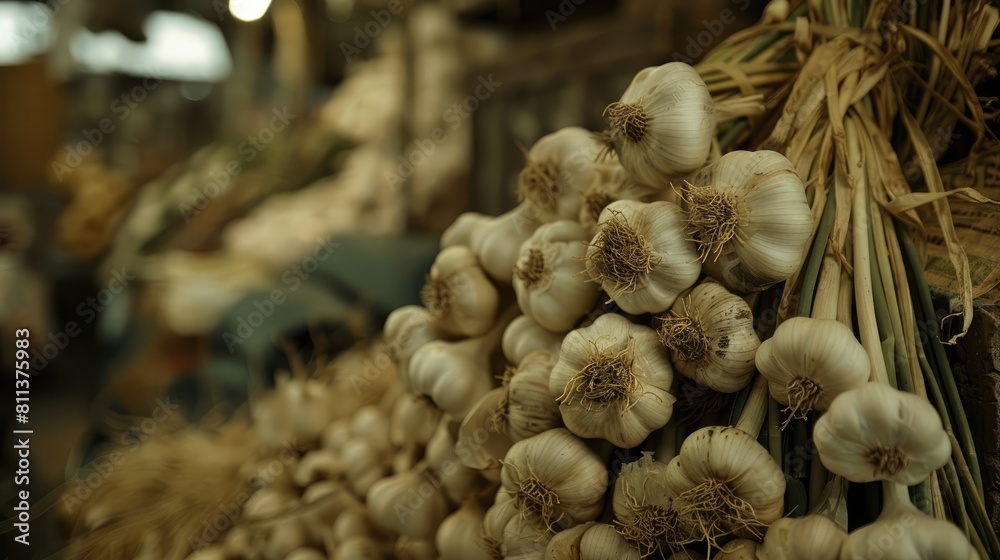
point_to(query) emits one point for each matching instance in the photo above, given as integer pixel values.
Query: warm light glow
(248, 10)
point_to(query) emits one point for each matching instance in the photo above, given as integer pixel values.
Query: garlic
(612, 381)
(643, 506)
(507, 534)
(320, 464)
(283, 538)
(353, 522)
(297, 410)
(363, 465)
(523, 336)
(305, 554)
(611, 183)
(559, 167)
(725, 483)
(602, 542)
(876, 432)
(406, 330)
(547, 276)
(457, 480)
(740, 549)
(358, 548)
(808, 362)
(565, 545)
(413, 421)
(409, 549)
(335, 500)
(369, 423)
(458, 294)
(902, 532)
(460, 535)
(641, 256)
(812, 536)
(482, 438)
(494, 521)
(711, 338)
(454, 375)
(336, 434)
(408, 504)
(662, 127)
(495, 240)
(529, 408)
(749, 217)
(555, 479)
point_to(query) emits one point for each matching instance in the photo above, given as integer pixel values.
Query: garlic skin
(507, 534)
(611, 183)
(725, 483)
(402, 504)
(641, 255)
(406, 330)
(482, 438)
(494, 240)
(643, 508)
(460, 535)
(711, 337)
(612, 381)
(548, 277)
(602, 542)
(357, 548)
(524, 336)
(813, 536)
(809, 362)
(662, 126)
(453, 374)
(565, 545)
(530, 408)
(750, 219)
(554, 478)
(413, 421)
(458, 295)
(457, 480)
(740, 549)
(559, 167)
(876, 432)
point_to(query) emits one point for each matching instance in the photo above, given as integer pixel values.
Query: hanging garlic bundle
(748, 214)
(641, 256)
(548, 277)
(458, 294)
(460, 535)
(662, 126)
(406, 330)
(876, 432)
(524, 336)
(555, 479)
(711, 338)
(413, 421)
(559, 167)
(644, 511)
(612, 381)
(611, 183)
(494, 240)
(809, 362)
(725, 483)
(457, 481)
(813, 536)
(297, 410)
(408, 504)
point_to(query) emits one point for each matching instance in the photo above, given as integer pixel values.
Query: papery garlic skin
(458, 295)
(740, 549)
(460, 535)
(565, 545)
(549, 278)
(643, 508)
(495, 241)
(711, 337)
(530, 408)
(483, 440)
(398, 504)
(813, 536)
(726, 483)
(524, 336)
(662, 126)
(641, 256)
(611, 183)
(749, 216)
(612, 381)
(559, 167)
(809, 362)
(876, 432)
(555, 478)
(602, 542)
(406, 330)
(452, 377)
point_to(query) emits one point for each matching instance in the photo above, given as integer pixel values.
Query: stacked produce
(608, 371)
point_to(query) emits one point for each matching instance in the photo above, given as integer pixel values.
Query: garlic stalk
(876, 432)
(524, 336)
(612, 381)
(559, 167)
(641, 256)
(749, 217)
(809, 362)
(711, 337)
(458, 295)
(547, 276)
(494, 240)
(554, 479)
(663, 124)
(813, 536)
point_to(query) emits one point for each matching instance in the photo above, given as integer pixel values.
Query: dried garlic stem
(755, 409)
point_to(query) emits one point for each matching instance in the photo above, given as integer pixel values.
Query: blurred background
(189, 187)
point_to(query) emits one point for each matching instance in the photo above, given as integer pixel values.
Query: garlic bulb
(662, 126)
(458, 294)
(559, 167)
(812, 536)
(808, 362)
(725, 483)
(523, 336)
(711, 338)
(739, 549)
(358, 548)
(410, 549)
(612, 381)
(305, 554)
(319, 464)
(413, 421)
(748, 215)
(407, 329)
(602, 542)
(565, 545)
(369, 423)
(452, 374)
(555, 479)
(363, 465)
(460, 535)
(644, 509)
(408, 504)
(457, 480)
(641, 256)
(495, 240)
(482, 438)
(611, 183)
(297, 410)
(547, 276)
(352, 523)
(902, 532)
(876, 432)
(529, 408)
(507, 534)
